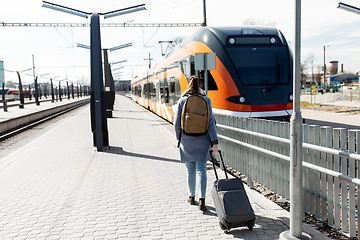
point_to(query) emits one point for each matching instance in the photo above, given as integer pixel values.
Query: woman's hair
(194, 84)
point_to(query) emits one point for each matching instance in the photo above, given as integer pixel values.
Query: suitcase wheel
(250, 225)
(222, 226)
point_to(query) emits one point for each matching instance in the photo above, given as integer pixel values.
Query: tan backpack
(195, 115)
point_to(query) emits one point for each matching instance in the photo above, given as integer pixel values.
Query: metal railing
(260, 150)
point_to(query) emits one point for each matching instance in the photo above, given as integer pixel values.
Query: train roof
(205, 34)
(222, 33)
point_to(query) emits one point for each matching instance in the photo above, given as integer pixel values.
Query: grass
(306, 104)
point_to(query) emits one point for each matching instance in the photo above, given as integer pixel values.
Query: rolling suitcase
(232, 204)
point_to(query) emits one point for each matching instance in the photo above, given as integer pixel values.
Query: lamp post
(52, 89)
(97, 106)
(60, 92)
(72, 90)
(68, 90)
(21, 92)
(3, 97)
(325, 65)
(37, 89)
(296, 199)
(109, 82)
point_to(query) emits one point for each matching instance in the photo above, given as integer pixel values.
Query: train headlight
(232, 40)
(242, 99)
(291, 97)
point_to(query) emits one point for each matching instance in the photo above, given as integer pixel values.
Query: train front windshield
(259, 61)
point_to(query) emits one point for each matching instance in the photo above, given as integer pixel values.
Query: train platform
(16, 117)
(57, 187)
(13, 110)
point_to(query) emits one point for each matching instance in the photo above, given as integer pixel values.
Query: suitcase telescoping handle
(222, 162)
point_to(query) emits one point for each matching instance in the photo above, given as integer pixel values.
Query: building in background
(2, 76)
(124, 85)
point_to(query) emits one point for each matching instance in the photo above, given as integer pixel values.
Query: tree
(303, 75)
(176, 41)
(310, 61)
(318, 74)
(251, 21)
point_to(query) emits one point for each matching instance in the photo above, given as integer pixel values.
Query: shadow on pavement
(121, 151)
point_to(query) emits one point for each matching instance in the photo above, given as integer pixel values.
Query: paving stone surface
(58, 187)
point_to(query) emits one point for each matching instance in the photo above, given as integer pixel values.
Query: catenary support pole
(204, 14)
(296, 199)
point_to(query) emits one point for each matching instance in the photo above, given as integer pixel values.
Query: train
(8, 91)
(253, 76)
(15, 92)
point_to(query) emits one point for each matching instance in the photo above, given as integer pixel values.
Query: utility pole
(204, 11)
(296, 196)
(33, 66)
(324, 68)
(149, 60)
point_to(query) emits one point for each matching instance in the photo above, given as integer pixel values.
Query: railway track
(12, 132)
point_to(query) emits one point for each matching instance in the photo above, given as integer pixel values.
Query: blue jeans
(200, 169)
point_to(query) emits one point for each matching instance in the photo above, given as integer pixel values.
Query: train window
(192, 68)
(172, 86)
(137, 91)
(211, 82)
(153, 92)
(172, 91)
(253, 40)
(161, 94)
(261, 65)
(166, 94)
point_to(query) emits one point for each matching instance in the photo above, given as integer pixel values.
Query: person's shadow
(121, 151)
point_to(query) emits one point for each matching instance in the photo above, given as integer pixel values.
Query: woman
(194, 150)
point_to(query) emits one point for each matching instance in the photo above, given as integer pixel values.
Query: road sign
(205, 61)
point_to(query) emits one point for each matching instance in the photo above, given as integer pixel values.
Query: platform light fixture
(349, 8)
(43, 74)
(120, 47)
(83, 46)
(118, 68)
(121, 61)
(25, 70)
(83, 14)
(65, 9)
(124, 11)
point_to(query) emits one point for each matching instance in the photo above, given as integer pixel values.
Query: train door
(158, 96)
(147, 93)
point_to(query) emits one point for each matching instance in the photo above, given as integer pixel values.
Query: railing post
(357, 145)
(352, 210)
(337, 204)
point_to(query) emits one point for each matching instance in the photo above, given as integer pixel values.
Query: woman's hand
(215, 148)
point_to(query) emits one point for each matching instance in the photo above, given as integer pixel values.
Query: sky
(56, 54)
